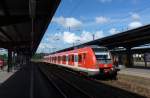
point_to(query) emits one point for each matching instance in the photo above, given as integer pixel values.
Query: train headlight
(105, 65)
(113, 66)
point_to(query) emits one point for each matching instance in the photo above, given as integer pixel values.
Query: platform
(140, 77)
(4, 75)
(145, 73)
(29, 82)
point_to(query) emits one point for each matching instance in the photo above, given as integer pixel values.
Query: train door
(80, 60)
(83, 59)
(63, 59)
(72, 59)
(60, 59)
(56, 60)
(76, 60)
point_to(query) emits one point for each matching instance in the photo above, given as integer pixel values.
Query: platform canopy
(126, 39)
(16, 23)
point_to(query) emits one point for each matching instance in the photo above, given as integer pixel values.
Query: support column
(19, 58)
(27, 59)
(129, 59)
(14, 59)
(9, 60)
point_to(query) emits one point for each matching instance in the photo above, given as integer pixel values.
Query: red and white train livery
(93, 60)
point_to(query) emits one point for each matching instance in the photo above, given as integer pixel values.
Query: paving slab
(4, 75)
(145, 73)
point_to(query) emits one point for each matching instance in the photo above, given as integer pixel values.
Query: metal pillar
(129, 59)
(17, 58)
(9, 60)
(28, 58)
(21, 59)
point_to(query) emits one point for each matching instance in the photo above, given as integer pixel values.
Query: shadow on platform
(18, 86)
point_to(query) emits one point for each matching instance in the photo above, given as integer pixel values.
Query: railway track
(64, 87)
(90, 89)
(54, 82)
(122, 84)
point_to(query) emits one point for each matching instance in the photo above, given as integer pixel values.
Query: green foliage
(37, 56)
(4, 56)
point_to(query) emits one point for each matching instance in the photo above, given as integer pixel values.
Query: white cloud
(66, 39)
(88, 36)
(45, 47)
(135, 21)
(69, 37)
(99, 34)
(57, 36)
(101, 20)
(85, 36)
(135, 24)
(67, 22)
(103, 1)
(113, 31)
(135, 16)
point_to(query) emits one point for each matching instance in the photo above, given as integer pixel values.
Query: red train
(1, 63)
(92, 60)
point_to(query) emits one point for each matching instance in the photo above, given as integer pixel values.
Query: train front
(104, 62)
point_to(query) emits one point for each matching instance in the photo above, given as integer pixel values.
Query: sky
(77, 21)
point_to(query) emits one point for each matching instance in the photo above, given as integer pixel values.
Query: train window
(100, 49)
(101, 56)
(80, 58)
(76, 58)
(66, 58)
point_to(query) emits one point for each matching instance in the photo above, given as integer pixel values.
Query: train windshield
(102, 55)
